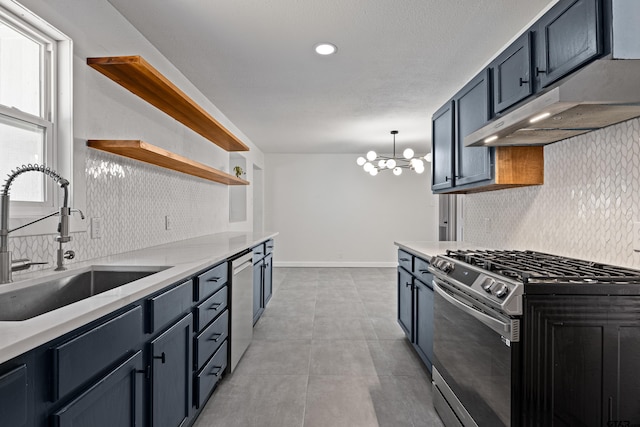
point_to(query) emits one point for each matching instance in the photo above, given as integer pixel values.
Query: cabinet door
(627, 407)
(442, 148)
(405, 302)
(171, 375)
(473, 164)
(267, 282)
(115, 400)
(14, 399)
(511, 74)
(257, 290)
(567, 36)
(424, 322)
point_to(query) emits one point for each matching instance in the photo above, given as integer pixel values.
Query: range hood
(604, 93)
(601, 94)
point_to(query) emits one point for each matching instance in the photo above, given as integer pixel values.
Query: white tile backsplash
(132, 199)
(585, 209)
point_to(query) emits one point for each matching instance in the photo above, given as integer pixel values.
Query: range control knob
(501, 291)
(447, 267)
(488, 285)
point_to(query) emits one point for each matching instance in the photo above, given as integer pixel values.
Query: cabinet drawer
(420, 270)
(210, 281)
(259, 252)
(79, 359)
(13, 397)
(168, 306)
(209, 340)
(405, 260)
(268, 247)
(210, 375)
(210, 308)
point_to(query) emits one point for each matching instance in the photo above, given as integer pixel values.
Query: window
(35, 92)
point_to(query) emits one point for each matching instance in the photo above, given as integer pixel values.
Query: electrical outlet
(167, 222)
(96, 228)
(636, 236)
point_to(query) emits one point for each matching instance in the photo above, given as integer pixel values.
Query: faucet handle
(24, 264)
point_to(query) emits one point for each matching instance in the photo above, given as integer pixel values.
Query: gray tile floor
(327, 352)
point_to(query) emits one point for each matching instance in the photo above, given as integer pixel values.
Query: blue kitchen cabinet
(171, 366)
(262, 277)
(443, 148)
(405, 302)
(415, 304)
(567, 37)
(114, 400)
(512, 74)
(423, 322)
(14, 397)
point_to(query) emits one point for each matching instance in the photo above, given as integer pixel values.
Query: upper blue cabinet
(512, 74)
(566, 37)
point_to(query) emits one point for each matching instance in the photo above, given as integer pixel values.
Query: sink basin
(49, 295)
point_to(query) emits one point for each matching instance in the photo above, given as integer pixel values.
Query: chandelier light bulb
(417, 164)
(373, 172)
(397, 171)
(361, 161)
(419, 167)
(382, 164)
(408, 153)
(371, 155)
(368, 166)
(429, 157)
(391, 163)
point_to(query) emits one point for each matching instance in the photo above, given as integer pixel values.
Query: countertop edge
(19, 337)
(428, 249)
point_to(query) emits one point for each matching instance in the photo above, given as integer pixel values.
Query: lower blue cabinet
(115, 400)
(14, 397)
(415, 305)
(423, 322)
(171, 373)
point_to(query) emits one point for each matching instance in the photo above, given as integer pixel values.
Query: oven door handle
(503, 328)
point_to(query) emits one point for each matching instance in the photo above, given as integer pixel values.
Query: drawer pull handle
(424, 271)
(215, 337)
(216, 371)
(162, 357)
(404, 259)
(215, 306)
(258, 253)
(213, 279)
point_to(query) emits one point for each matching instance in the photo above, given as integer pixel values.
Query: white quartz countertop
(184, 258)
(427, 249)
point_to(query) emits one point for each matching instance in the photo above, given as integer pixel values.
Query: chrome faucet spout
(63, 225)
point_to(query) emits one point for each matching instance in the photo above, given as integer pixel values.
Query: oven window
(474, 362)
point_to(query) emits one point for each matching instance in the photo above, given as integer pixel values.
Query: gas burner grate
(539, 267)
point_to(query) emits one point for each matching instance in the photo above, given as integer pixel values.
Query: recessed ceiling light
(326, 49)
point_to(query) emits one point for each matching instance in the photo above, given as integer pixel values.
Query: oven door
(476, 360)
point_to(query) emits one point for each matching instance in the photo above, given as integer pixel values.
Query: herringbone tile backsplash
(585, 209)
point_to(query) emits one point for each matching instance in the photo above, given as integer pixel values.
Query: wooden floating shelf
(144, 152)
(139, 77)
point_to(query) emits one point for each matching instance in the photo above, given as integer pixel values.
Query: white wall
(585, 209)
(329, 212)
(132, 198)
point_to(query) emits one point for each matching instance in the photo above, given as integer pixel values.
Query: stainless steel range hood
(604, 93)
(601, 94)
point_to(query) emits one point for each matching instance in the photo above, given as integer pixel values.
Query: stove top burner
(530, 267)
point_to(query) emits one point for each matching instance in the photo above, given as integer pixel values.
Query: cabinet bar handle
(540, 71)
(523, 82)
(215, 306)
(213, 279)
(407, 284)
(216, 371)
(215, 337)
(162, 358)
(424, 271)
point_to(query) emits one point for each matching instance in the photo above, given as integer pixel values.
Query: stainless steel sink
(49, 295)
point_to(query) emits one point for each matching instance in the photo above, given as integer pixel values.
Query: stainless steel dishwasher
(241, 307)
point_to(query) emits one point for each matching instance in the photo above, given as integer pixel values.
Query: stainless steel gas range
(524, 338)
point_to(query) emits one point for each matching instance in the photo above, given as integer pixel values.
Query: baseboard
(334, 264)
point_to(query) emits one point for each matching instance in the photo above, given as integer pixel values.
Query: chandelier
(374, 163)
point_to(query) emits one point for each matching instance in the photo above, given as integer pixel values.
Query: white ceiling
(397, 62)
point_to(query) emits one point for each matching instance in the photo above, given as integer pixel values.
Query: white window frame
(59, 144)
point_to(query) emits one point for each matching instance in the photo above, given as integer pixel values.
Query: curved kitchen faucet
(6, 264)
